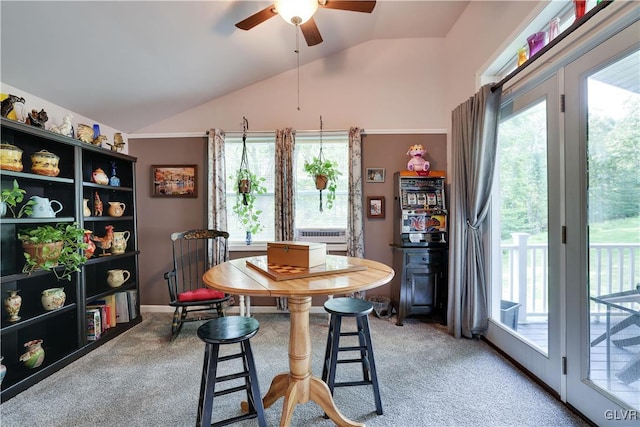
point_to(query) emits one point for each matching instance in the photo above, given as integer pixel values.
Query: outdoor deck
(536, 332)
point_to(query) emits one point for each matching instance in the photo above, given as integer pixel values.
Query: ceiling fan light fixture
(296, 12)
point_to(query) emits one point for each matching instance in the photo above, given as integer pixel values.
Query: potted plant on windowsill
(57, 248)
(325, 173)
(9, 199)
(244, 206)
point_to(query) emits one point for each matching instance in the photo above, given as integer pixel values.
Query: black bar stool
(217, 332)
(360, 309)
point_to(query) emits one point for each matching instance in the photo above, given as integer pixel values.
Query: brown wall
(159, 217)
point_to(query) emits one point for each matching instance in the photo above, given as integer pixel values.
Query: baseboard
(230, 310)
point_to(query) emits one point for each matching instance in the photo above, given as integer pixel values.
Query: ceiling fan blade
(311, 32)
(354, 5)
(257, 18)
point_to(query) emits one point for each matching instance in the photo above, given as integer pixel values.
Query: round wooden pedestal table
(252, 276)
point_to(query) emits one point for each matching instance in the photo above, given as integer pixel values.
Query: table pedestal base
(299, 385)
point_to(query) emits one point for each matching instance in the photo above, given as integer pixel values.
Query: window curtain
(474, 140)
(216, 179)
(216, 195)
(355, 242)
(284, 192)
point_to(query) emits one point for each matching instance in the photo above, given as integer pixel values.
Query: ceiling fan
(300, 13)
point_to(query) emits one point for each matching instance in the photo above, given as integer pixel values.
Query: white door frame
(581, 393)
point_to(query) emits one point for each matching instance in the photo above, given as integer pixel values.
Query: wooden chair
(194, 252)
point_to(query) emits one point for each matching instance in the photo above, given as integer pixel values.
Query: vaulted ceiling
(129, 64)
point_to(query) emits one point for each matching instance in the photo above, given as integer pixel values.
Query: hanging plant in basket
(248, 187)
(325, 174)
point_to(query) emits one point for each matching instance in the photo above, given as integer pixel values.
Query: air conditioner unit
(322, 235)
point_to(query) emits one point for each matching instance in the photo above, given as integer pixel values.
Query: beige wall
(159, 217)
(387, 86)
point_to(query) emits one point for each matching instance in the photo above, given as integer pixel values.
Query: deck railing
(614, 267)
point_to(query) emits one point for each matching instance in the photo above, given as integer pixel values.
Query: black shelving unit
(63, 331)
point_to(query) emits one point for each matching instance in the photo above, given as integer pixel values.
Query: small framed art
(375, 207)
(174, 181)
(375, 174)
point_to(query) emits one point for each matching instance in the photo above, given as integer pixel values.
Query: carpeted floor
(427, 378)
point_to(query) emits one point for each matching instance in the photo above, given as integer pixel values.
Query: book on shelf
(94, 328)
(102, 308)
(110, 300)
(132, 300)
(122, 307)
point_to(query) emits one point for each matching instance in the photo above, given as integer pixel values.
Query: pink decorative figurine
(417, 162)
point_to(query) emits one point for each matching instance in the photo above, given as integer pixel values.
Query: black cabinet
(64, 331)
(420, 284)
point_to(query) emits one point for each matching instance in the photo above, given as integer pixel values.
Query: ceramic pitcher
(120, 239)
(116, 208)
(116, 278)
(43, 207)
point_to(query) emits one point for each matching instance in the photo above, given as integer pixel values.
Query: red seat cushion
(201, 294)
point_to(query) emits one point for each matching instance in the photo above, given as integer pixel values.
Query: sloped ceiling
(129, 64)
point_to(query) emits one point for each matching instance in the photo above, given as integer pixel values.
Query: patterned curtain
(216, 179)
(216, 194)
(284, 192)
(355, 244)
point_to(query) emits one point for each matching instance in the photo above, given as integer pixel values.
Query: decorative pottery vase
(34, 356)
(53, 299)
(88, 253)
(12, 304)
(86, 210)
(44, 208)
(3, 369)
(99, 177)
(43, 252)
(114, 181)
(120, 239)
(10, 158)
(116, 208)
(115, 278)
(45, 163)
(248, 238)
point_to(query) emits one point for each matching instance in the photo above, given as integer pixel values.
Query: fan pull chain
(298, 59)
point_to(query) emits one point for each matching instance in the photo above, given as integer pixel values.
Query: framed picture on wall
(375, 207)
(375, 174)
(174, 181)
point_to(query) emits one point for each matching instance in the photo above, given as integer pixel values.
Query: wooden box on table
(299, 254)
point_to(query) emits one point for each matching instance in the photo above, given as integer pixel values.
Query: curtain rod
(576, 24)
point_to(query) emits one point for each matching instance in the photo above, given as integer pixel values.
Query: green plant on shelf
(56, 248)
(10, 197)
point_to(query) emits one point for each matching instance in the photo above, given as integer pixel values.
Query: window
(261, 154)
(308, 215)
